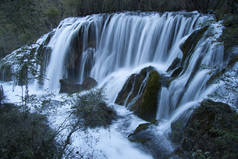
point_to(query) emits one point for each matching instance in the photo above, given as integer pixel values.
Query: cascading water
(101, 45)
(111, 47)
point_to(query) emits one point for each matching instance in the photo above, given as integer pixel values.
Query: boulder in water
(89, 83)
(140, 93)
(189, 45)
(68, 86)
(175, 64)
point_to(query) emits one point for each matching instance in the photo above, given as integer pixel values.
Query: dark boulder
(67, 86)
(177, 72)
(175, 64)
(89, 83)
(140, 93)
(189, 45)
(148, 140)
(212, 130)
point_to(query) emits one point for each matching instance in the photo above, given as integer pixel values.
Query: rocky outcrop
(68, 86)
(189, 45)
(140, 93)
(142, 134)
(148, 140)
(212, 130)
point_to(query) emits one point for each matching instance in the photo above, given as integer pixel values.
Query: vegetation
(92, 111)
(25, 135)
(212, 132)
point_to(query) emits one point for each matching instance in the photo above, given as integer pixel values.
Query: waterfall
(180, 48)
(117, 41)
(111, 47)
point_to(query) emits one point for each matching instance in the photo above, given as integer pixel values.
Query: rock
(140, 93)
(67, 86)
(175, 64)
(89, 83)
(145, 136)
(5, 72)
(140, 135)
(133, 83)
(233, 60)
(188, 46)
(212, 130)
(177, 72)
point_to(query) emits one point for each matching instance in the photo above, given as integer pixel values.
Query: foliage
(91, 109)
(212, 130)
(53, 15)
(25, 135)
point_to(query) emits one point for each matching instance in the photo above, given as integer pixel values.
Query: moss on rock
(140, 97)
(147, 104)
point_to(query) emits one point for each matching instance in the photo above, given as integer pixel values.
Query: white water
(123, 44)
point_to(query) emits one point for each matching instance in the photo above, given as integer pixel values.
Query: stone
(67, 86)
(175, 64)
(140, 93)
(188, 46)
(89, 83)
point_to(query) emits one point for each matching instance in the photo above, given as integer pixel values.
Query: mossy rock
(134, 82)
(212, 129)
(147, 104)
(142, 98)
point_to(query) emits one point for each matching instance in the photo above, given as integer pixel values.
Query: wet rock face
(212, 130)
(68, 86)
(140, 93)
(188, 46)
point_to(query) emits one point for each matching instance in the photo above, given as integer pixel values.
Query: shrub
(25, 135)
(92, 110)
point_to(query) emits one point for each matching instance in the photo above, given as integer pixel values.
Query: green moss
(148, 108)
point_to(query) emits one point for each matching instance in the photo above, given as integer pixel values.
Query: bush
(92, 111)
(25, 135)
